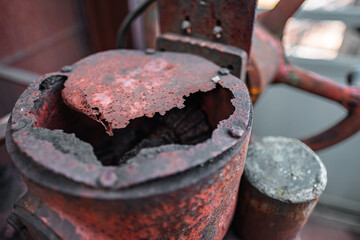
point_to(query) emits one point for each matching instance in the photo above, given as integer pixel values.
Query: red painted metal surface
(274, 68)
(261, 217)
(210, 20)
(183, 190)
(124, 85)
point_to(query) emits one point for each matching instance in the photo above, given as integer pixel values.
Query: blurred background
(40, 36)
(323, 37)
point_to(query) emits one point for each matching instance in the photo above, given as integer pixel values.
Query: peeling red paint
(184, 192)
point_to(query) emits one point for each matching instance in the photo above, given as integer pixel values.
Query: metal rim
(220, 143)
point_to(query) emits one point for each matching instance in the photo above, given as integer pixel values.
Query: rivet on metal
(236, 132)
(150, 51)
(217, 32)
(224, 71)
(107, 179)
(216, 79)
(66, 69)
(186, 27)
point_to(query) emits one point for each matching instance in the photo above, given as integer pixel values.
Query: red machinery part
(171, 175)
(268, 64)
(282, 182)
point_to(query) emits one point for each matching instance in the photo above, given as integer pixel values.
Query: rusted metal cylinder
(168, 167)
(282, 182)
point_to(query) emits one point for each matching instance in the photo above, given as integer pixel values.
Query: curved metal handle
(348, 97)
(269, 34)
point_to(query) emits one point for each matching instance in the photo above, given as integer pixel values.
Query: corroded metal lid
(285, 169)
(124, 85)
(114, 88)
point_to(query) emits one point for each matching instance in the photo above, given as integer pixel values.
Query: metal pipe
(283, 180)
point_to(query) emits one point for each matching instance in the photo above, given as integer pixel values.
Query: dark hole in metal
(187, 126)
(96, 113)
(50, 81)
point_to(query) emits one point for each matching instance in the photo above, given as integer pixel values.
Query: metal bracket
(233, 58)
(220, 31)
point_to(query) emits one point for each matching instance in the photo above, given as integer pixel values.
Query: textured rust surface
(205, 16)
(202, 210)
(181, 189)
(260, 217)
(117, 86)
(42, 106)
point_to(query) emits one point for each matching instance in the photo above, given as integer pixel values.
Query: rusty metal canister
(282, 182)
(130, 145)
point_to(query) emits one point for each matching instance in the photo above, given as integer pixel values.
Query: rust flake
(116, 86)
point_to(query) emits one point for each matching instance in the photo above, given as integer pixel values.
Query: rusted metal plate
(282, 183)
(229, 22)
(117, 86)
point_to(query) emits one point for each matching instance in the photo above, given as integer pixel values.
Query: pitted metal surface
(285, 169)
(41, 105)
(116, 86)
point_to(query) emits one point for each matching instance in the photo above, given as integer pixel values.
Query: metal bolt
(215, 79)
(107, 179)
(150, 51)
(186, 27)
(66, 68)
(236, 132)
(224, 71)
(217, 32)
